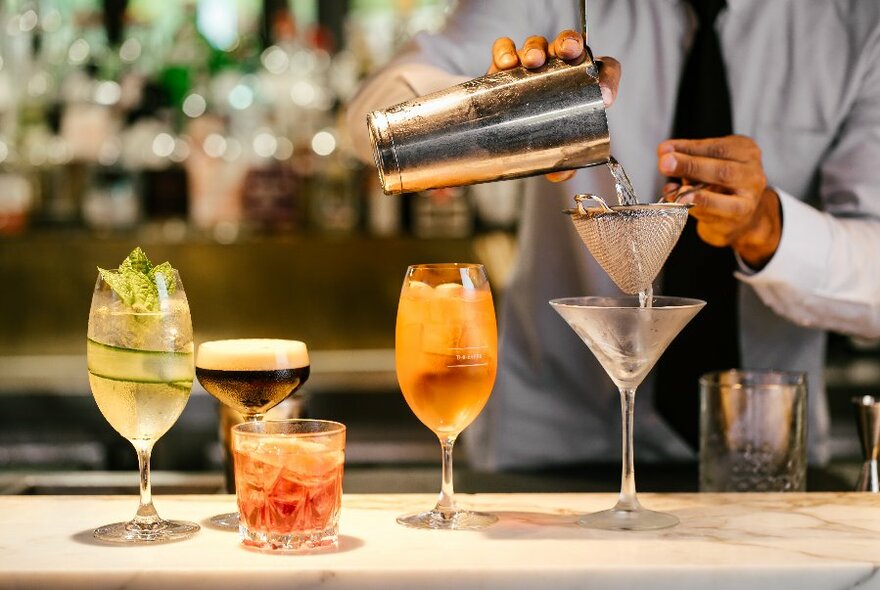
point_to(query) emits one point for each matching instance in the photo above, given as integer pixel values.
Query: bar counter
(754, 541)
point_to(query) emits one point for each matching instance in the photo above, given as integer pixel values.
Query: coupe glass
(627, 338)
(141, 372)
(251, 376)
(446, 356)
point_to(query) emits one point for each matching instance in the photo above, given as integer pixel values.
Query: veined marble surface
(725, 541)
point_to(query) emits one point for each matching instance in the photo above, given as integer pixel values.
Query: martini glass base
(462, 520)
(227, 522)
(131, 532)
(618, 519)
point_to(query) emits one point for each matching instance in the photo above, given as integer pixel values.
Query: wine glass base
(226, 522)
(628, 520)
(461, 520)
(161, 531)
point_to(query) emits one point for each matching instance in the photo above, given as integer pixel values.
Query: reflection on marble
(725, 541)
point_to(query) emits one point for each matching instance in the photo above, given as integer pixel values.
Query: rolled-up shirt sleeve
(825, 273)
(826, 270)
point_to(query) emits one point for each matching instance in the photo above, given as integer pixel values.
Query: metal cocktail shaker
(509, 124)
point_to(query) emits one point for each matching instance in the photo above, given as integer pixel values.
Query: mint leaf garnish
(137, 261)
(167, 272)
(145, 295)
(135, 281)
(118, 283)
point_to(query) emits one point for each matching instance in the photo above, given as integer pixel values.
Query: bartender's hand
(737, 209)
(568, 46)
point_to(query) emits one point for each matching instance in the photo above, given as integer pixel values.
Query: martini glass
(627, 339)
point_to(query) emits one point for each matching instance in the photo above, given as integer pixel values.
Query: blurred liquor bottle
(442, 213)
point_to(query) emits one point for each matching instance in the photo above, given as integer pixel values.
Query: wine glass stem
(446, 501)
(627, 499)
(146, 513)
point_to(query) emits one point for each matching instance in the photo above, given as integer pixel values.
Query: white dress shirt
(805, 84)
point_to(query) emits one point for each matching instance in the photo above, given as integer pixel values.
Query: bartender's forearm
(758, 243)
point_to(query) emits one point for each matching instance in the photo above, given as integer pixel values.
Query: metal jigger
(868, 422)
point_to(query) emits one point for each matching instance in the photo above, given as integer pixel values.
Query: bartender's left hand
(737, 209)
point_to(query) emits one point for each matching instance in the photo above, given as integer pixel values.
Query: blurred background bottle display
(218, 118)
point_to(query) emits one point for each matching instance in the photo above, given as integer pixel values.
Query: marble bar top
(724, 541)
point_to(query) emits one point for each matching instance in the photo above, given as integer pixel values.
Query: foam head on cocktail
(288, 478)
(252, 375)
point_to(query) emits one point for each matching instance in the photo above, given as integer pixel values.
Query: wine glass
(141, 372)
(251, 376)
(446, 356)
(627, 335)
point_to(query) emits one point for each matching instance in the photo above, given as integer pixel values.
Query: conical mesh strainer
(630, 242)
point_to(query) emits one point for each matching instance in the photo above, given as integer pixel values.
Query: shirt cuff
(800, 258)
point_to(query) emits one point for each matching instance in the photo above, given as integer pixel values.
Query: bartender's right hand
(568, 46)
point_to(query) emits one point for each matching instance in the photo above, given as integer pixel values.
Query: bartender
(775, 108)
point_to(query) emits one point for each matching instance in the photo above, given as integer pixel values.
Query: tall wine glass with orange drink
(446, 355)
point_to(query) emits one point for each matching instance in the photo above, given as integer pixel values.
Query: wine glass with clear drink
(140, 362)
(251, 376)
(446, 355)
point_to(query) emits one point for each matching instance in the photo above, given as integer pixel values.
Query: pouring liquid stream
(626, 195)
(646, 297)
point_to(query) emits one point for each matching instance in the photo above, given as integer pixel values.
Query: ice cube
(441, 338)
(419, 289)
(433, 365)
(448, 306)
(300, 446)
(324, 500)
(252, 503)
(287, 495)
(449, 290)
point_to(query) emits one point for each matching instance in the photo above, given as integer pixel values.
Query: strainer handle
(590, 63)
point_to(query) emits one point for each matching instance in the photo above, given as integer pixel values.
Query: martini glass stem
(627, 499)
(146, 513)
(446, 501)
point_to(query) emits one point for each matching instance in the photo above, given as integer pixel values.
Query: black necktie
(694, 268)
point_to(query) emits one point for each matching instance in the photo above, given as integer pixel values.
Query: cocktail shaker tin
(509, 124)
